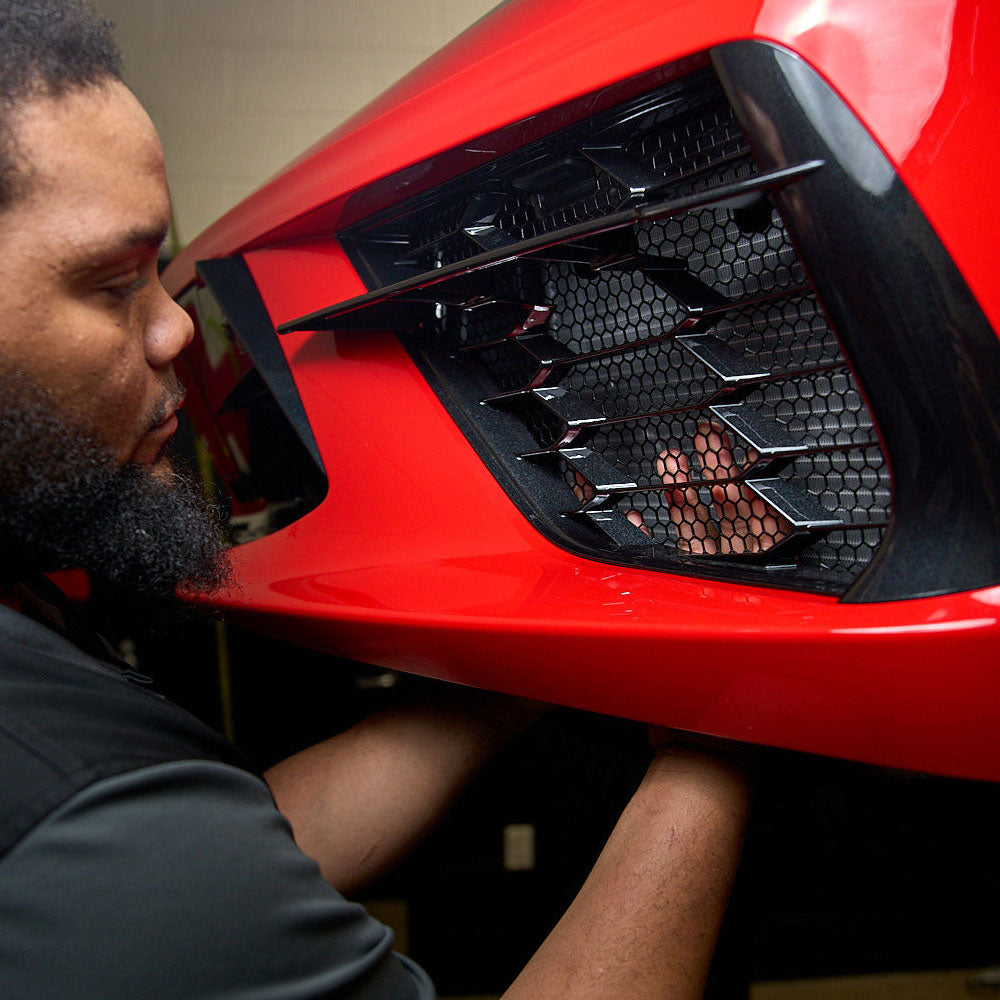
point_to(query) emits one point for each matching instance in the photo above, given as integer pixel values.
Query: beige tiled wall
(238, 88)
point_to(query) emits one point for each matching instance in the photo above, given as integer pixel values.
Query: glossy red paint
(417, 560)
(922, 76)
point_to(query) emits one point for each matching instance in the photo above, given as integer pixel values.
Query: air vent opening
(618, 320)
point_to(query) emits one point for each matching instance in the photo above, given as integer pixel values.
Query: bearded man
(141, 855)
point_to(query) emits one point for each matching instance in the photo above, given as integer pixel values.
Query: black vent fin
(546, 350)
(568, 406)
(533, 316)
(597, 478)
(629, 172)
(479, 222)
(614, 249)
(618, 528)
(800, 508)
(738, 193)
(696, 297)
(557, 185)
(767, 437)
(732, 366)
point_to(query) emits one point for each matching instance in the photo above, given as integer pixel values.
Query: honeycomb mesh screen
(673, 384)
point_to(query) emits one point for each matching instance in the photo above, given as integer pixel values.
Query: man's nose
(168, 332)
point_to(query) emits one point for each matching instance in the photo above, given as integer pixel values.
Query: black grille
(662, 386)
(678, 140)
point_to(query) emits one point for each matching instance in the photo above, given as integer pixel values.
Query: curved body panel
(417, 559)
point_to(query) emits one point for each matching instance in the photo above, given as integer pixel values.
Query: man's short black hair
(47, 47)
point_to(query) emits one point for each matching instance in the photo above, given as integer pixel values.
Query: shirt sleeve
(183, 880)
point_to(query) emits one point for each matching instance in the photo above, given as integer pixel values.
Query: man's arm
(358, 802)
(645, 922)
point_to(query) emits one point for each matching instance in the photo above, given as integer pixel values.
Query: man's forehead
(93, 165)
(103, 120)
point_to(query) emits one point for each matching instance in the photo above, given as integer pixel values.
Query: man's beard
(65, 502)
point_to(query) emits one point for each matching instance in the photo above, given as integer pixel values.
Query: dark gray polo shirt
(139, 861)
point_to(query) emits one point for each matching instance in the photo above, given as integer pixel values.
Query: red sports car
(639, 357)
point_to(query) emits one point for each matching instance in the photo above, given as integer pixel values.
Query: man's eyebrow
(121, 244)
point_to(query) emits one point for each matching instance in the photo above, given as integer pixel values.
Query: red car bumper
(418, 559)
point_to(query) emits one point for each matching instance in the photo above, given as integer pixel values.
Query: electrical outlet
(519, 847)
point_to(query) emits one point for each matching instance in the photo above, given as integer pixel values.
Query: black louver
(618, 320)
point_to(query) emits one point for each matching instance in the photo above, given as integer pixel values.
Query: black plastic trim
(230, 281)
(923, 351)
(737, 194)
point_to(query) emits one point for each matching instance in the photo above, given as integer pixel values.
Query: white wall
(238, 88)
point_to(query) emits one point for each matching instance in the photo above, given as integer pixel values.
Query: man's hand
(737, 522)
(741, 523)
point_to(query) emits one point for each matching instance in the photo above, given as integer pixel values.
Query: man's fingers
(696, 529)
(582, 490)
(672, 466)
(741, 522)
(635, 518)
(715, 451)
(746, 523)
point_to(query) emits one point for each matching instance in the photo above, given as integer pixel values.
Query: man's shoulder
(183, 880)
(68, 719)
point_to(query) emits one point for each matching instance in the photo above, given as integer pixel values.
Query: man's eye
(124, 288)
